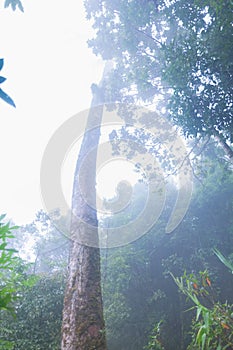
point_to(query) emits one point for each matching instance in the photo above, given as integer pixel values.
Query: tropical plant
(154, 341)
(213, 325)
(37, 324)
(13, 275)
(8, 262)
(225, 261)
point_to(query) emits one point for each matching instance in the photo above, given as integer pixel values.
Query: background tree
(13, 277)
(140, 298)
(38, 315)
(171, 49)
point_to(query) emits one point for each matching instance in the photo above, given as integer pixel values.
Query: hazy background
(49, 72)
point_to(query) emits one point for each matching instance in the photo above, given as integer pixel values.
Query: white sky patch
(49, 71)
(109, 174)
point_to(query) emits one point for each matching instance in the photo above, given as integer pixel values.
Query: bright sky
(49, 72)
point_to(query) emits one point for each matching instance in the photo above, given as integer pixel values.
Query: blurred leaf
(7, 3)
(20, 6)
(11, 250)
(6, 98)
(3, 246)
(223, 259)
(2, 79)
(1, 63)
(14, 4)
(14, 227)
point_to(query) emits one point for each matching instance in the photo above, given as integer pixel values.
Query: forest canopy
(178, 50)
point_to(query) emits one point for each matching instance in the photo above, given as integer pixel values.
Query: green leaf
(4, 229)
(199, 310)
(3, 246)
(11, 250)
(206, 318)
(223, 259)
(2, 217)
(15, 227)
(203, 340)
(199, 335)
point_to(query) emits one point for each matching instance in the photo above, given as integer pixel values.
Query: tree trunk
(83, 322)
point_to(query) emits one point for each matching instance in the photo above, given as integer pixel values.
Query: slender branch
(148, 36)
(222, 141)
(174, 172)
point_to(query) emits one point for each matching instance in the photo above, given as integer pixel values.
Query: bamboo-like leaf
(3, 246)
(203, 339)
(223, 259)
(199, 310)
(4, 230)
(199, 335)
(15, 227)
(2, 217)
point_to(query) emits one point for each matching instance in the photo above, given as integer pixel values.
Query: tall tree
(83, 322)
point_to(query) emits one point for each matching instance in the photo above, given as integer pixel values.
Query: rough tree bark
(83, 322)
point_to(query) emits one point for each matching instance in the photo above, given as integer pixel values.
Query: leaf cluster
(213, 325)
(178, 52)
(13, 275)
(3, 95)
(14, 4)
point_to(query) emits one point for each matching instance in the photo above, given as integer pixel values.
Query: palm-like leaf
(223, 259)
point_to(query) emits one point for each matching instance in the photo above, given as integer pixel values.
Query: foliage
(154, 342)
(179, 51)
(137, 290)
(13, 276)
(8, 264)
(213, 326)
(3, 95)
(38, 316)
(37, 306)
(14, 4)
(49, 247)
(225, 261)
